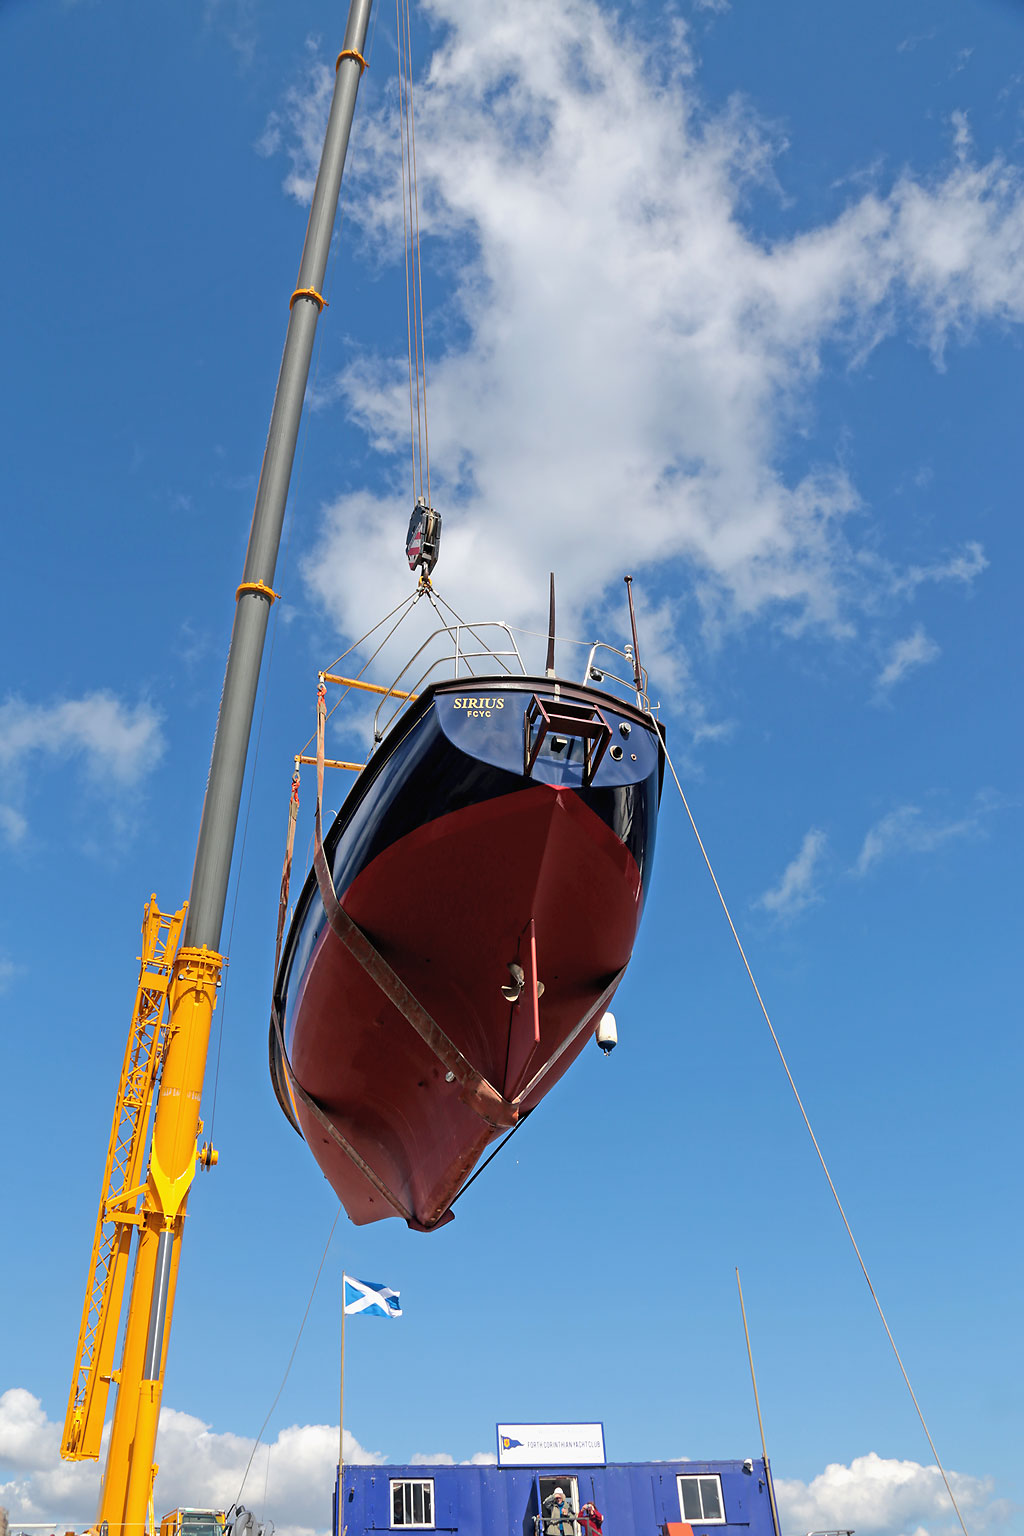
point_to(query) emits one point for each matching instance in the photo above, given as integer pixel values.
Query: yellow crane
(146, 1182)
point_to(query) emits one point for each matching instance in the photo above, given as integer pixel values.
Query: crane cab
(193, 1522)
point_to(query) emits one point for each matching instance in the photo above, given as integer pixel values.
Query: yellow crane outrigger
(181, 964)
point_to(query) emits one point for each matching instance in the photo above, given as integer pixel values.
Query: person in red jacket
(591, 1519)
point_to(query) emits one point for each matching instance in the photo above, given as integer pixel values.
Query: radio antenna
(638, 675)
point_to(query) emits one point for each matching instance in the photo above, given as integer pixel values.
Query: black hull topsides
(461, 744)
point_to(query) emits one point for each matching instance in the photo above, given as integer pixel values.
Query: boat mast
(128, 1478)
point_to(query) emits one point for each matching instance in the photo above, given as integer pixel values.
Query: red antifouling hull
(450, 907)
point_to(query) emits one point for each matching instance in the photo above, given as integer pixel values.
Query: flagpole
(341, 1410)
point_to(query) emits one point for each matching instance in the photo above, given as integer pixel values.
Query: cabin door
(552, 1521)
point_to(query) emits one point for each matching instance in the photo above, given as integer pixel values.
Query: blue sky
(725, 294)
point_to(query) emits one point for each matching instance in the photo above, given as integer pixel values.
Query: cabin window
(552, 1523)
(200, 1522)
(412, 1503)
(700, 1499)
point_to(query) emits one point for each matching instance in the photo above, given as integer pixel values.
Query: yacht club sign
(551, 1445)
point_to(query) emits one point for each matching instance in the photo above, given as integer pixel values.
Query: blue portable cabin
(641, 1498)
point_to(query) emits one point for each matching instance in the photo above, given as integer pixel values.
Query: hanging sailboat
(472, 908)
(469, 915)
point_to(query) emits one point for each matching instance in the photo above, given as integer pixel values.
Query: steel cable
(415, 332)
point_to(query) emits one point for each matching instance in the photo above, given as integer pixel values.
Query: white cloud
(113, 745)
(797, 890)
(198, 1466)
(877, 1496)
(965, 567)
(27, 1438)
(44, 1487)
(204, 1468)
(916, 650)
(8, 971)
(12, 824)
(908, 830)
(304, 112)
(444, 1459)
(236, 19)
(962, 137)
(115, 740)
(621, 365)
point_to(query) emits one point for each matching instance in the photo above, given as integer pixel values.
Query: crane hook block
(423, 541)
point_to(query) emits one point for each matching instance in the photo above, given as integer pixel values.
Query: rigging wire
(433, 604)
(409, 599)
(373, 34)
(814, 1139)
(431, 593)
(419, 259)
(413, 412)
(373, 656)
(291, 1357)
(266, 1485)
(419, 434)
(408, 603)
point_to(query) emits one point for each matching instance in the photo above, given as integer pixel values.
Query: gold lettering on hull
(478, 708)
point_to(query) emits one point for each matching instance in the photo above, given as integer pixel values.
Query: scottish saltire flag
(370, 1298)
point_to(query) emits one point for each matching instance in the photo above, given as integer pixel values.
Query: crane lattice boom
(123, 1184)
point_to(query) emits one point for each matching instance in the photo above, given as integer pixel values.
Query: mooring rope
(814, 1139)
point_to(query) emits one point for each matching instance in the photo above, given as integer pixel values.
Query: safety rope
(286, 872)
(814, 1139)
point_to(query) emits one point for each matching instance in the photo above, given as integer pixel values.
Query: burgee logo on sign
(551, 1445)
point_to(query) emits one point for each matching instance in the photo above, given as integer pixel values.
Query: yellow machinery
(193, 1522)
(170, 1030)
(148, 1173)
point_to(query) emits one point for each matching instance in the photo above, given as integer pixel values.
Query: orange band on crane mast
(259, 588)
(309, 293)
(351, 53)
